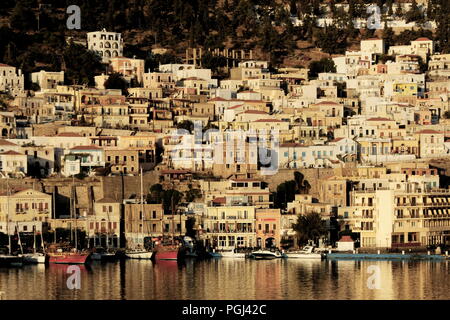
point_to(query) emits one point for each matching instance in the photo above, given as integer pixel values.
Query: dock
(383, 256)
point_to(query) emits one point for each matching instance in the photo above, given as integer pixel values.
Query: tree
(155, 194)
(285, 193)
(310, 227)
(186, 125)
(22, 17)
(323, 65)
(302, 185)
(116, 81)
(171, 199)
(192, 194)
(414, 13)
(80, 65)
(447, 114)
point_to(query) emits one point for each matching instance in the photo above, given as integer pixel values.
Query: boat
(188, 244)
(265, 254)
(214, 254)
(306, 253)
(7, 260)
(139, 252)
(234, 254)
(167, 251)
(100, 254)
(74, 257)
(34, 258)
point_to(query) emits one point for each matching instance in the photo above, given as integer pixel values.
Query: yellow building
(406, 89)
(27, 207)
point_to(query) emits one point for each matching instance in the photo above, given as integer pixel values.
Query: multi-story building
(227, 227)
(403, 214)
(11, 80)
(103, 227)
(25, 210)
(268, 227)
(106, 44)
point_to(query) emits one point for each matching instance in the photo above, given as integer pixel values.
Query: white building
(106, 44)
(11, 80)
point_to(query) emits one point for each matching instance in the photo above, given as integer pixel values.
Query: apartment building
(404, 214)
(106, 44)
(228, 227)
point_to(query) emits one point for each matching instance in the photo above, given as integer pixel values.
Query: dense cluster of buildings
(363, 137)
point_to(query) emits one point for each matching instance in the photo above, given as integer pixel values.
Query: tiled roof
(422, 39)
(11, 153)
(92, 147)
(268, 120)
(428, 131)
(4, 142)
(254, 112)
(379, 119)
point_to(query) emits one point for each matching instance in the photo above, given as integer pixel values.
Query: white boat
(33, 258)
(232, 254)
(139, 254)
(266, 254)
(306, 253)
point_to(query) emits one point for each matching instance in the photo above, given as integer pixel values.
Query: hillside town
(234, 161)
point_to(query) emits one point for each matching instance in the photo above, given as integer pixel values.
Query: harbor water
(286, 279)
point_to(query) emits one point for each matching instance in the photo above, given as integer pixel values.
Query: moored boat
(34, 258)
(306, 253)
(234, 254)
(139, 254)
(10, 261)
(100, 254)
(69, 257)
(167, 252)
(265, 254)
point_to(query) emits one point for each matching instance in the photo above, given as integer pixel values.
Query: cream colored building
(26, 208)
(228, 227)
(105, 44)
(47, 80)
(403, 214)
(11, 79)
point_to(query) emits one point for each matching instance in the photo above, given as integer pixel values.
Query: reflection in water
(226, 279)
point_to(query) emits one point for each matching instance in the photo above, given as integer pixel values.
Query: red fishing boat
(68, 257)
(167, 252)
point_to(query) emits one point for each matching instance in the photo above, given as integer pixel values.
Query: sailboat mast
(34, 239)
(7, 214)
(142, 208)
(18, 236)
(54, 213)
(74, 213)
(173, 216)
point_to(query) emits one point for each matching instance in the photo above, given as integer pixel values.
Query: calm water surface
(228, 279)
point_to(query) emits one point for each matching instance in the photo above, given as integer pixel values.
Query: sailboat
(8, 260)
(100, 254)
(168, 250)
(140, 253)
(35, 257)
(70, 257)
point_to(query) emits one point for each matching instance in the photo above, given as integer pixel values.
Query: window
(222, 241)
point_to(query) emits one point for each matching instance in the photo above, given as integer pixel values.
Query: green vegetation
(287, 190)
(310, 227)
(35, 37)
